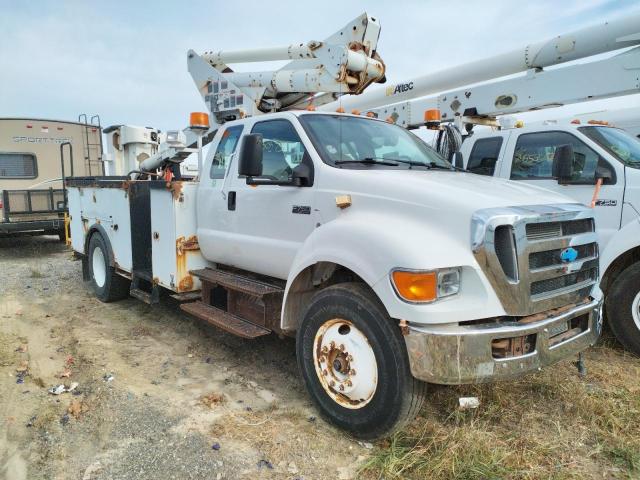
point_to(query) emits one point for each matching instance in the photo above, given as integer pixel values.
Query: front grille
(520, 250)
(557, 284)
(550, 258)
(546, 230)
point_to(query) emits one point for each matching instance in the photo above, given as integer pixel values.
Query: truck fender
(624, 241)
(356, 243)
(321, 247)
(96, 227)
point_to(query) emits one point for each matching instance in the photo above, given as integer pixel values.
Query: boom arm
(583, 43)
(346, 62)
(537, 89)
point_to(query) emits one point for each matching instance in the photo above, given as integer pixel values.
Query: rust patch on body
(186, 284)
(183, 247)
(175, 188)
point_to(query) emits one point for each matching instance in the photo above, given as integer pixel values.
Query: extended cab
(389, 267)
(596, 165)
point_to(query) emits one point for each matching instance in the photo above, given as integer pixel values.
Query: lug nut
(349, 383)
(325, 373)
(352, 372)
(341, 387)
(332, 383)
(325, 349)
(332, 344)
(342, 347)
(349, 358)
(322, 359)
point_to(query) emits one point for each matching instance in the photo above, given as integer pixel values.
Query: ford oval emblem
(568, 255)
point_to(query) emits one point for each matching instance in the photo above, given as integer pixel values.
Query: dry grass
(550, 425)
(212, 399)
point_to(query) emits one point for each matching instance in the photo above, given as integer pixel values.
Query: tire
(623, 308)
(62, 236)
(351, 311)
(107, 285)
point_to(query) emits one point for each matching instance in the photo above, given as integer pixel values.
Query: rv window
(18, 165)
(484, 156)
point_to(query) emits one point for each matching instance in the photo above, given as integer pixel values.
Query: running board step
(224, 320)
(236, 282)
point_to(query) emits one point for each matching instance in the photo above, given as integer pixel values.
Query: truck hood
(445, 190)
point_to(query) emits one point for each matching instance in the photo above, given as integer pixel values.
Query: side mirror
(562, 167)
(250, 160)
(457, 160)
(603, 173)
(301, 175)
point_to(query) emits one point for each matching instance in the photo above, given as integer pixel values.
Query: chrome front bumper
(462, 354)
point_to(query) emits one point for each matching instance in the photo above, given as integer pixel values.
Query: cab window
(534, 153)
(282, 149)
(226, 147)
(484, 156)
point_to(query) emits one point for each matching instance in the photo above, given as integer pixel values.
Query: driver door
(273, 221)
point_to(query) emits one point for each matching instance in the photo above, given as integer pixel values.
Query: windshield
(356, 142)
(617, 142)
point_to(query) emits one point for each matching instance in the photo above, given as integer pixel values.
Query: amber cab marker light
(416, 286)
(199, 120)
(432, 118)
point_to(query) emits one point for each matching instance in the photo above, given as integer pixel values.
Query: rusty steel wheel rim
(345, 363)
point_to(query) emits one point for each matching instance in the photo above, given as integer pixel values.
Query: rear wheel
(354, 362)
(106, 283)
(623, 308)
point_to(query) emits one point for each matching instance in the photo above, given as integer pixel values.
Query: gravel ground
(159, 395)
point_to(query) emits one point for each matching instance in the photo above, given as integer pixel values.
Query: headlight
(448, 282)
(426, 286)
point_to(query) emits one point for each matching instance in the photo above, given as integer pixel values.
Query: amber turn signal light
(416, 286)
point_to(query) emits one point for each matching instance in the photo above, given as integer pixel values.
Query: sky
(126, 61)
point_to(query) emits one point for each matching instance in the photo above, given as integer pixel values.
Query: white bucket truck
(389, 267)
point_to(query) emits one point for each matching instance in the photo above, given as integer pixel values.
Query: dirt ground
(160, 395)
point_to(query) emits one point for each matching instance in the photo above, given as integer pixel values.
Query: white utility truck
(597, 165)
(389, 267)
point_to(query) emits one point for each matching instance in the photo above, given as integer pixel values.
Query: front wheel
(354, 363)
(623, 308)
(106, 283)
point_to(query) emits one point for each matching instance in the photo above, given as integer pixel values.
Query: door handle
(231, 201)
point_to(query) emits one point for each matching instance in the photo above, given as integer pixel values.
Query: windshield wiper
(428, 166)
(437, 166)
(368, 161)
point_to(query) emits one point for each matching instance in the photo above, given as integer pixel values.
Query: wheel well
(618, 265)
(98, 229)
(310, 280)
